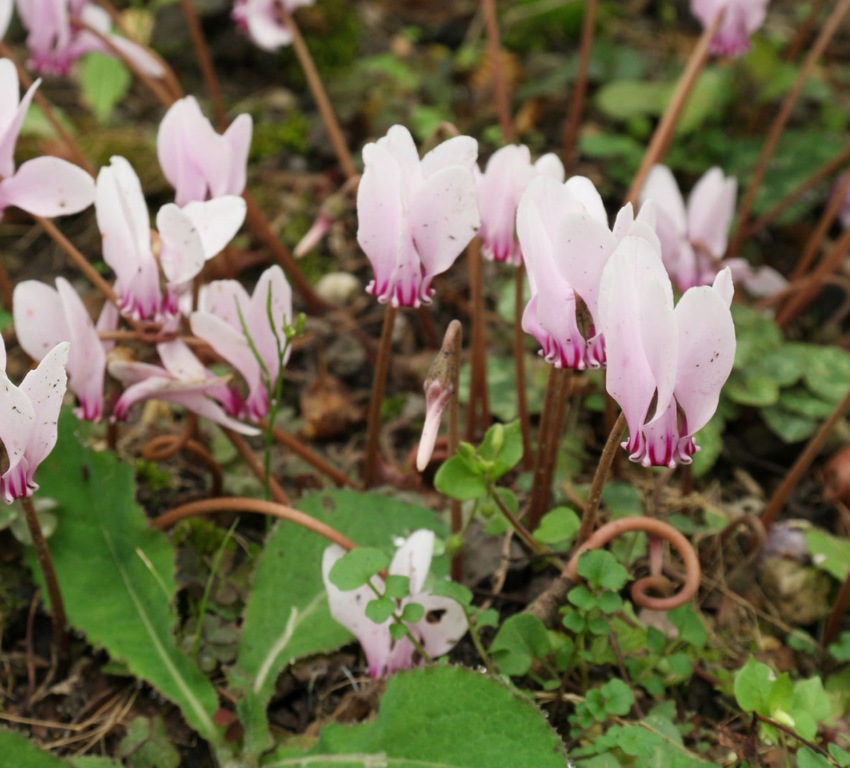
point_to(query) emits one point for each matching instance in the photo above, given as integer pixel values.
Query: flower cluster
(61, 31)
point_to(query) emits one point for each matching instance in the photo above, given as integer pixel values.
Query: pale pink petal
(238, 136)
(87, 358)
(40, 322)
(586, 197)
(706, 354)
(12, 114)
(5, 16)
(48, 186)
(437, 398)
(380, 215)
(17, 421)
(45, 388)
(659, 338)
(443, 625)
(217, 221)
(181, 254)
(443, 218)
(629, 379)
(459, 150)
(400, 145)
(413, 558)
(711, 207)
(221, 298)
(349, 609)
(269, 310)
(550, 165)
(583, 247)
(499, 188)
(661, 187)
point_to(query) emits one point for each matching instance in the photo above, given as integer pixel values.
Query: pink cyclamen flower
(188, 237)
(29, 415)
(666, 365)
(740, 20)
(262, 21)
(438, 631)
(218, 323)
(415, 216)
(198, 162)
(183, 380)
(55, 41)
(565, 239)
(694, 238)
(44, 186)
(508, 172)
(44, 317)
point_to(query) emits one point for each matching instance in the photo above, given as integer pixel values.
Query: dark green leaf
(355, 568)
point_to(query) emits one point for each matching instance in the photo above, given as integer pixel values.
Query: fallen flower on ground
(442, 625)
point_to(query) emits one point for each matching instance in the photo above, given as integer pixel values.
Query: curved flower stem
(664, 131)
(379, 382)
(804, 461)
(641, 587)
(817, 236)
(453, 339)
(61, 641)
(772, 140)
(825, 171)
(588, 520)
(551, 426)
(280, 496)
(830, 262)
(500, 88)
(240, 504)
(576, 107)
(319, 94)
(301, 450)
(202, 54)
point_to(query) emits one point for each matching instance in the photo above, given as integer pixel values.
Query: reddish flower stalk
(319, 94)
(588, 519)
(202, 54)
(574, 113)
(664, 131)
(379, 382)
(802, 464)
(280, 496)
(771, 142)
(254, 506)
(298, 448)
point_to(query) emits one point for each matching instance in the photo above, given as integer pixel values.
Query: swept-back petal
(17, 421)
(217, 221)
(40, 322)
(12, 113)
(413, 558)
(629, 379)
(380, 214)
(181, 253)
(48, 186)
(349, 609)
(706, 354)
(238, 136)
(659, 337)
(661, 187)
(458, 150)
(711, 207)
(442, 627)
(443, 218)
